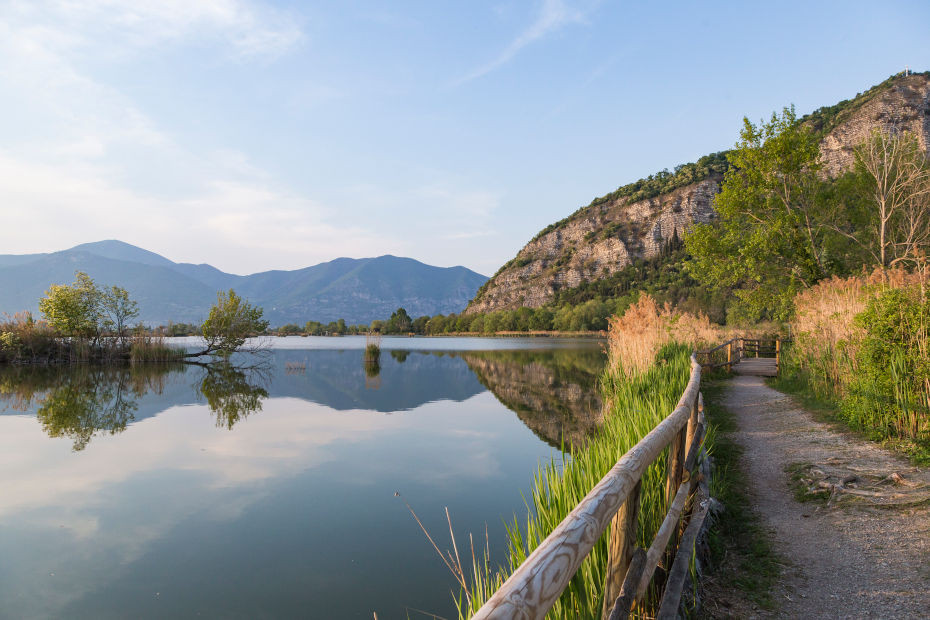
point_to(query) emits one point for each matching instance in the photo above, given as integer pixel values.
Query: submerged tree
(230, 322)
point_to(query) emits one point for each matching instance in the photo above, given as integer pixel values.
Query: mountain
(643, 220)
(358, 290)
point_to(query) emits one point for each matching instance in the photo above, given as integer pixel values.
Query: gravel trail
(860, 548)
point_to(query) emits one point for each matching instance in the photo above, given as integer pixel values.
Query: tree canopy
(230, 322)
(769, 239)
(84, 310)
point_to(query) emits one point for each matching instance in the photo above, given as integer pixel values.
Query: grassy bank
(635, 405)
(25, 341)
(646, 374)
(861, 355)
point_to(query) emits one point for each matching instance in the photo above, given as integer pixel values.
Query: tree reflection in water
(83, 401)
(233, 393)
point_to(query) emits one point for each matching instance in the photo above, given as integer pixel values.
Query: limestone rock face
(596, 242)
(903, 106)
(602, 239)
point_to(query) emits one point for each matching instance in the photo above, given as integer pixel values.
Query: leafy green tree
(399, 323)
(74, 310)
(770, 237)
(118, 311)
(230, 322)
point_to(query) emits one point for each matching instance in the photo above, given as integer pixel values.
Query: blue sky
(258, 135)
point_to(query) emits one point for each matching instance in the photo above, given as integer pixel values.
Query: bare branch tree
(897, 176)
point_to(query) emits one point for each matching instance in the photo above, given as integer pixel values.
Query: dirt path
(860, 546)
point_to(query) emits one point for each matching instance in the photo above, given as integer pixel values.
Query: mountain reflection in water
(265, 488)
(554, 393)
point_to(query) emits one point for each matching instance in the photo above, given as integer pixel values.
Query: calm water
(268, 492)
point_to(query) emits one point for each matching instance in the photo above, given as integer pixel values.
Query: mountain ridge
(358, 290)
(638, 221)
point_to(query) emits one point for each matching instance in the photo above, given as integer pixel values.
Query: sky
(258, 135)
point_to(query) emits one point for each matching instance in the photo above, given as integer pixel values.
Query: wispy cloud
(552, 16)
(245, 28)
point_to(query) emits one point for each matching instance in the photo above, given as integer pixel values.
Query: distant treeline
(583, 308)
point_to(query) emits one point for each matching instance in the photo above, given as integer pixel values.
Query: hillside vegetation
(588, 255)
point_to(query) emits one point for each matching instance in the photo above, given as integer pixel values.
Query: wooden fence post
(730, 356)
(675, 474)
(777, 356)
(623, 529)
(692, 422)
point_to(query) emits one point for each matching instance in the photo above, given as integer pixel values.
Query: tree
(399, 322)
(119, 310)
(74, 310)
(769, 239)
(892, 225)
(230, 322)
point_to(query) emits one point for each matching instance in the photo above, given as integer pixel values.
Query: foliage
(861, 346)
(890, 394)
(399, 323)
(23, 339)
(145, 347)
(634, 405)
(636, 336)
(86, 312)
(74, 310)
(769, 240)
(885, 208)
(118, 310)
(230, 322)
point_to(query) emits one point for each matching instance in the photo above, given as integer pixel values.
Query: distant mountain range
(358, 290)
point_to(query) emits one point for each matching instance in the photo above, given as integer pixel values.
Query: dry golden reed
(824, 327)
(636, 337)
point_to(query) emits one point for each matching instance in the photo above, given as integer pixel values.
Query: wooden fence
(732, 352)
(536, 585)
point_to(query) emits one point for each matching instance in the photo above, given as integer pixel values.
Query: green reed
(633, 407)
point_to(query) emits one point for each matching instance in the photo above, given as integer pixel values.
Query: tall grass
(636, 337)
(152, 348)
(862, 344)
(647, 372)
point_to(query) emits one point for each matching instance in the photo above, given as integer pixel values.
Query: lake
(266, 488)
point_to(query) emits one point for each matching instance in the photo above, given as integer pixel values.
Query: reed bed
(635, 338)
(862, 344)
(145, 348)
(647, 371)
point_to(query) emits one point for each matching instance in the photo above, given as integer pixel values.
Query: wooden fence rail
(733, 351)
(538, 582)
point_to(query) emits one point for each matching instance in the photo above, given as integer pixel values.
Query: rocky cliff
(607, 235)
(901, 103)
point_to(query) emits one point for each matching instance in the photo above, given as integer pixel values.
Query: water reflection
(279, 478)
(233, 393)
(82, 401)
(553, 392)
